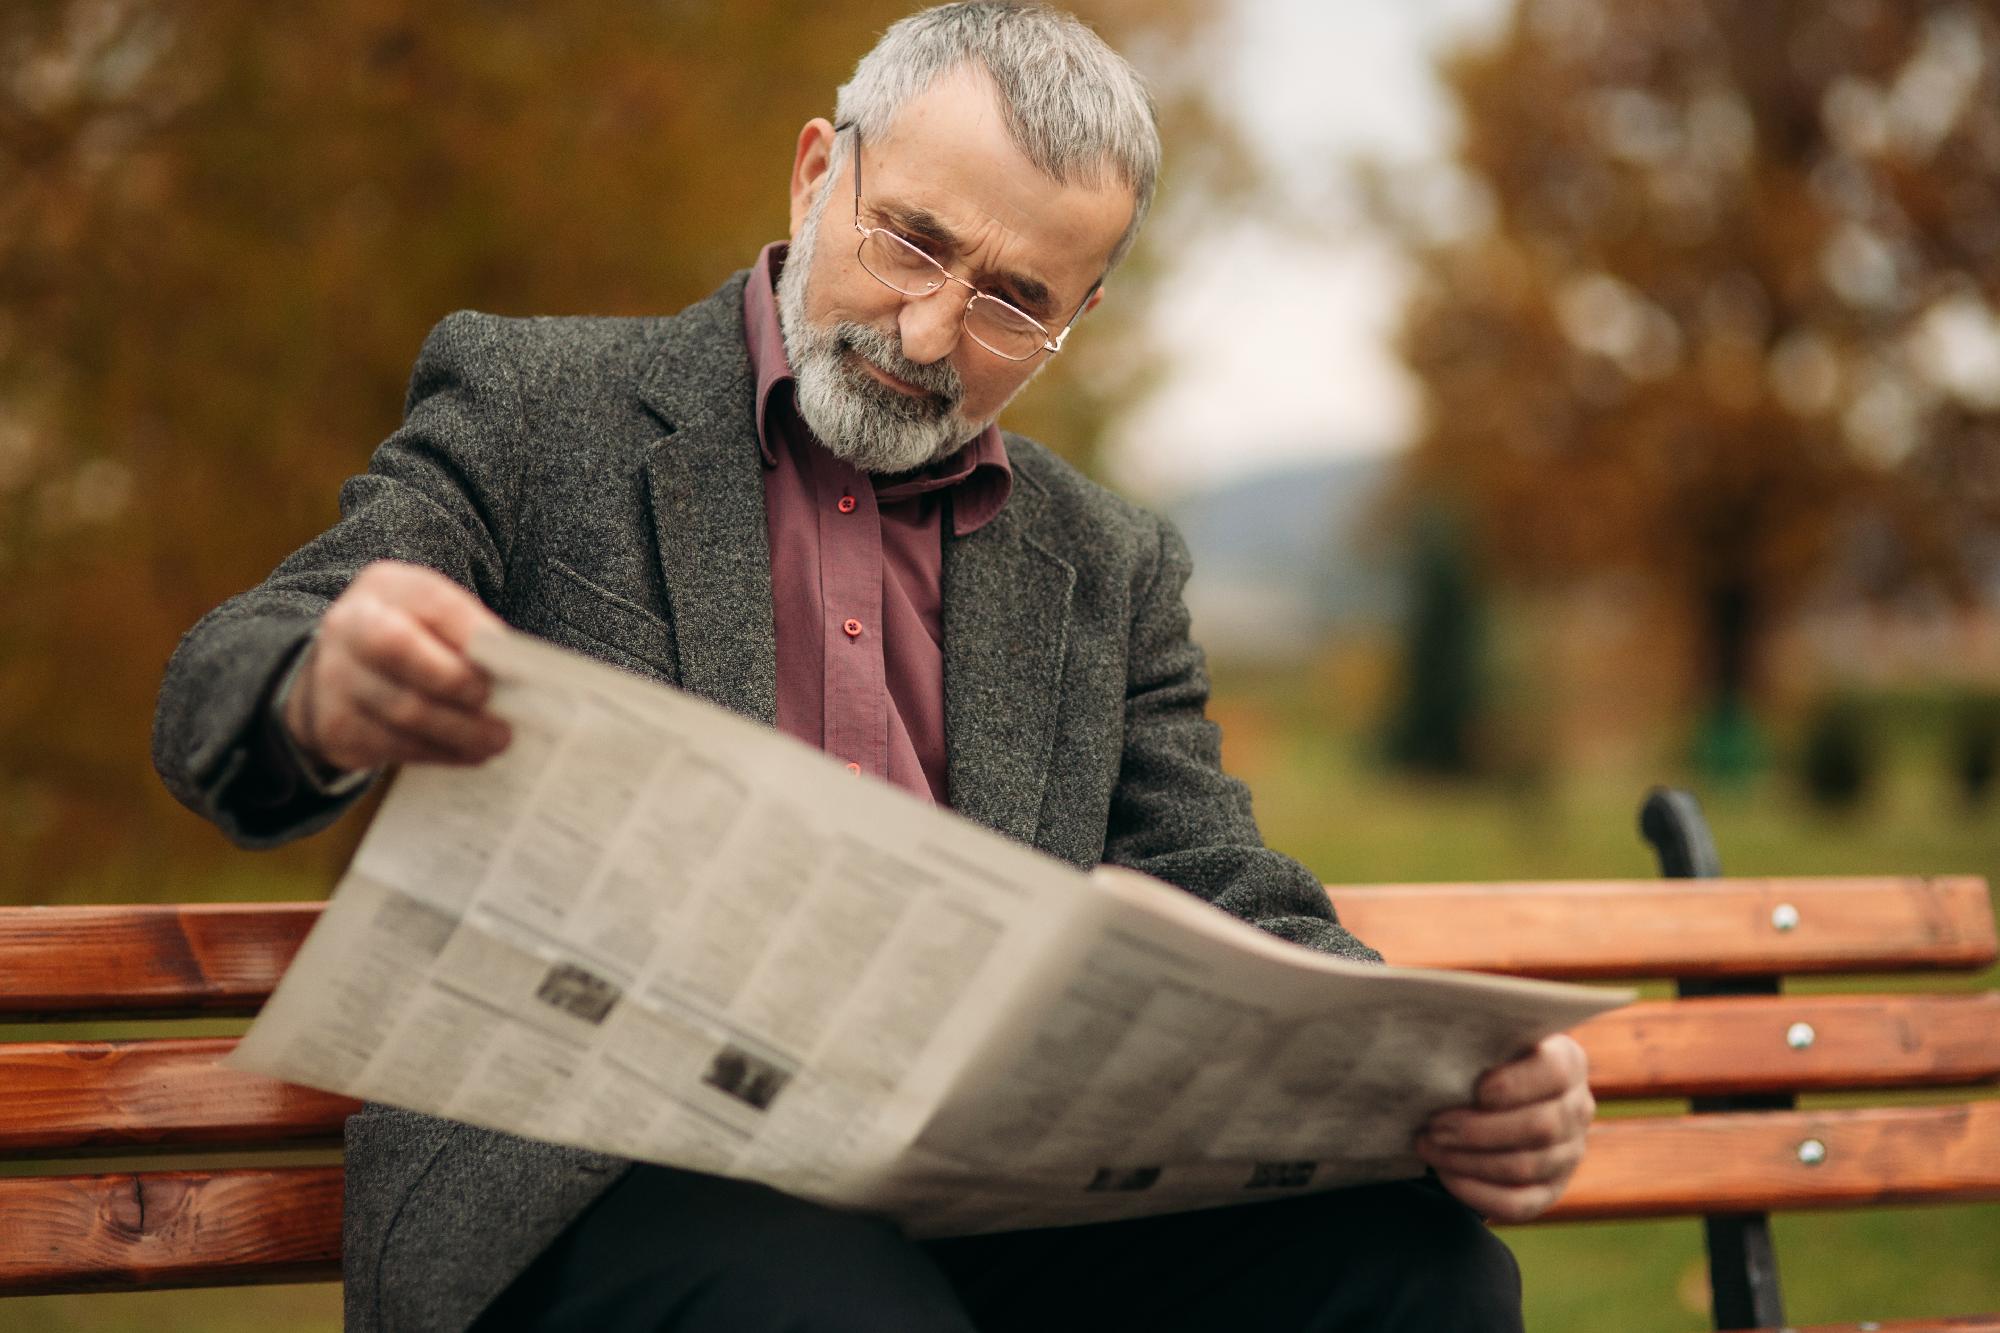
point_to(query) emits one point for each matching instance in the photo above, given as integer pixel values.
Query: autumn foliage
(1712, 300)
(224, 231)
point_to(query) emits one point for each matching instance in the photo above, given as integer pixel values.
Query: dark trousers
(665, 1249)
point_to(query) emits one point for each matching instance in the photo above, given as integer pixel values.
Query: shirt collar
(979, 475)
(766, 338)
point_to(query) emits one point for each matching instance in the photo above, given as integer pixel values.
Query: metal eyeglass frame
(1051, 345)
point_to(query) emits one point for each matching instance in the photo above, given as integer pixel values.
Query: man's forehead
(950, 156)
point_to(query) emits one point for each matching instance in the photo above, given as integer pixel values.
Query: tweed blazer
(597, 482)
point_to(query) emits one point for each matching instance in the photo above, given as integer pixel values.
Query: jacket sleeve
(439, 492)
(1175, 815)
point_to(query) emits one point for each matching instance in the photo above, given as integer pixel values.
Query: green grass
(301, 1308)
(1320, 801)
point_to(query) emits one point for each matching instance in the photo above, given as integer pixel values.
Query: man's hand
(1509, 1154)
(387, 679)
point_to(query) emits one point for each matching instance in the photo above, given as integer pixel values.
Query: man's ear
(809, 167)
(1091, 304)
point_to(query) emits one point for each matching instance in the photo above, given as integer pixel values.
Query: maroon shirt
(856, 573)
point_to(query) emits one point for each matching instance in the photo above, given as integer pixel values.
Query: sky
(1279, 341)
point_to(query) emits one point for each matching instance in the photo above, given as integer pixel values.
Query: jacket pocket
(555, 602)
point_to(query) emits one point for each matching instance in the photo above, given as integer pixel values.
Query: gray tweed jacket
(597, 482)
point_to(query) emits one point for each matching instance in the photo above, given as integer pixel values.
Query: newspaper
(655, 929)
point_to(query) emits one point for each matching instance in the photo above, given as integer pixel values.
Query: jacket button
(854, 768)
(852, 628)
(846, 504)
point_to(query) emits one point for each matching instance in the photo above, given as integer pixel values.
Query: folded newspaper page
(656, 929)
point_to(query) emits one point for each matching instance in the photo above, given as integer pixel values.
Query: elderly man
(791, 499)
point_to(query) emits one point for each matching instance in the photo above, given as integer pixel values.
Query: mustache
(885, 353)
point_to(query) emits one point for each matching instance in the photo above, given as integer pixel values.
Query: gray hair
(1072, 105)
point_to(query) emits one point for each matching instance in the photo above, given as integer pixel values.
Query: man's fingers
(1556, 1064)
(358, 741)
(1538, 1125)
(1502, 1203)
(1527, 1166)
(388, 679)
(403, 748)
(1509, 1156)
(1504, 1186)
(446, 608)
(391, 641)
(456, 735)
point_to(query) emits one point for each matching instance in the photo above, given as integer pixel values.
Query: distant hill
(1283, 556)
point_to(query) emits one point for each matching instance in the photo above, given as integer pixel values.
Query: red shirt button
(854, 768)
(846, 504)
(852, 628)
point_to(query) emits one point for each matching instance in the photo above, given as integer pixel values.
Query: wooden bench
(1734, 1044)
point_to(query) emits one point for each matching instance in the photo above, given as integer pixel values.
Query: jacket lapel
(1006, 628)
(1006, 594)
(706, 486)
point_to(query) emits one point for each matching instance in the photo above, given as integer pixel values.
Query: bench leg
(1742, 1263)
(1743, 1271)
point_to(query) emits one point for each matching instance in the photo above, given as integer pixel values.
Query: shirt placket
(856, 687)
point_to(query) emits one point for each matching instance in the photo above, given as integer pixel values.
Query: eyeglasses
(1001, 328)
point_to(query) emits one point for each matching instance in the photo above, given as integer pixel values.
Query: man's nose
(931, 325)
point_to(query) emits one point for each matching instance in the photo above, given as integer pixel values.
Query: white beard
(860, 420)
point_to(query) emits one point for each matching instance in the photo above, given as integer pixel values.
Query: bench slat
(1671, 1166)
(63, 1096)
(224, 958)
(190, 1228)
(169, 1229)
(1678, 928)
(160, 960)
(1715, 1047)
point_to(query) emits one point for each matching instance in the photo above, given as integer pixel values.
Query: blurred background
(1559, 396)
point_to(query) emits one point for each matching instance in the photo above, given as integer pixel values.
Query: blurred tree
(1712, 294)
(224, 230)
(1434, 727)
(1975, 748)
(1837, 760)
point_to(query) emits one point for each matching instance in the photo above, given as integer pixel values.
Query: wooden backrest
(156, 1228)
(163, 1228)
(224, 958)
(1632, 930)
